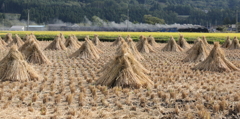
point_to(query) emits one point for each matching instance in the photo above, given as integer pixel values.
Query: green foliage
(153, 20)
(199, 11)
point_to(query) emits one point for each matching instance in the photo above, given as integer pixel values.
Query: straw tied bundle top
(143, 46)
(216, 61)
(96, 41)
(56, 44)
(124, 71)
(118, 41)
(33, 54)
(235, 44)
(13, 67)
(72, 43)
(197, 53)
(227, 43)
(183, 43)
(87, 50)
(16, 41)
(172, 46)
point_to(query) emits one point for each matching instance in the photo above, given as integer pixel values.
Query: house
(17, 28)
(36, 28)
(57, 27)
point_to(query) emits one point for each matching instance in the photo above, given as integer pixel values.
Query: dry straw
(13, 67)
(124, 71)
(195, 42)
(151, 41)
(133, 50)
(96, 41)
(56, 44)
(87, 50)
(128, 38)
(26, 44)
(204, 39)
(76, 39)
(227, 43)
(33, 54)
(2, 42)
(26, 37)
(34, 37)
(141, 38)
(143, 46)
(198, 53)
(183, 43)
(118, 41)
(16, 41)
(216, 61)
(8, 38)
(62, 38)
(172, 46)
(235, 44)
(71, 43)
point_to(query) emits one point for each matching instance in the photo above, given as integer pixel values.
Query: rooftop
(37, 26)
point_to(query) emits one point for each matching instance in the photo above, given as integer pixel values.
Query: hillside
(171, 11)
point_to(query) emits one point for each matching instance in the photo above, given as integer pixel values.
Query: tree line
(215, 12)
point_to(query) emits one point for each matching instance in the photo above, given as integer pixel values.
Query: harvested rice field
(67, 87)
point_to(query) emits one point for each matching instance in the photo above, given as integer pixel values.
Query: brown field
(67, 90)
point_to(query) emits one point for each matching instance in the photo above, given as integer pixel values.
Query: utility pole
(28, 15)
(28, 21)
(237, 21)
(3, 7)
(127, 15)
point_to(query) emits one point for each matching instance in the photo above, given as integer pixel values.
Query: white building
(17, 28)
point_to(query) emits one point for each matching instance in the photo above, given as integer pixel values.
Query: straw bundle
(125, 71)
(2, 42)
(172, 46)
(87, 50)
(134, 50)
(16, 41)
(118, 41)
(151, 41)
(56, 44)
(124, 44)
(195, 42)
(62, 38)
(76, 39)
(227, 43)
(198, 53)
(183, 43)
(216, 61)
(141, 39)
(71, 43)
(96, 41)
(13, 67)
(128, 38)
(33, 54)
(26, 44)
(26, 37)
(143, 46)
(204, 39)
(2, 45)
(8, 38)
(34, 37)
(235, 44)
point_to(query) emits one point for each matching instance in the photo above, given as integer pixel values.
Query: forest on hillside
(215, 12)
